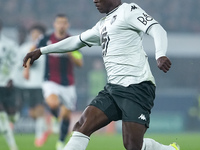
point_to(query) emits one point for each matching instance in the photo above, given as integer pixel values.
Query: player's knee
(131, 145)
(52, 104)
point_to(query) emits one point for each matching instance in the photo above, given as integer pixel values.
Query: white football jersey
(120, 35)
(36, 73)
(7, 59)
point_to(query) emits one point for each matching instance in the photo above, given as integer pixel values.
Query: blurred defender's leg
(7, 131)
(64, 126)
(37, 112)
(6, 104)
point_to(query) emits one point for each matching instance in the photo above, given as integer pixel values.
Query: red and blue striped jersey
(58, 67)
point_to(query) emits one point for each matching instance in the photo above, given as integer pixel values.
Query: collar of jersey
(113, 10)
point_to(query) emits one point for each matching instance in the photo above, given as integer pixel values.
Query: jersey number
(105, 40)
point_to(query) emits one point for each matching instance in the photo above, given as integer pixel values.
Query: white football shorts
(66, 94)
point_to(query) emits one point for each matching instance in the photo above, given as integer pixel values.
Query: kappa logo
(133, 7)
(142, 117)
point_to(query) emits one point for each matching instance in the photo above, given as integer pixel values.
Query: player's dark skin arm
(164, 63)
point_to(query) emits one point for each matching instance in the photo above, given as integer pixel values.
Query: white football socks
(40, 127)
(5, 128)
(78, 141)
(150, 144)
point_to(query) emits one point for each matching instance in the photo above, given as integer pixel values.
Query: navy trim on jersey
(43, 42)
(83, 41)
(113, 10)
(46, 74)
(150, 26)
(63, 70)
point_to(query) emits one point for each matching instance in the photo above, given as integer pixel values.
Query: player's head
(61, 24)
(105, 6)
(37, 30)
(22, 34)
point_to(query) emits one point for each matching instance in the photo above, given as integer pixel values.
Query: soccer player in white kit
(130, 92)
(8, 103)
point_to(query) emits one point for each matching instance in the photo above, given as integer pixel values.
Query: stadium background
(177, 105)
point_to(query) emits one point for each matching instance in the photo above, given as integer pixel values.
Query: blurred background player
(28, 88)
(8, 105)
(32, 87)
(58, 87)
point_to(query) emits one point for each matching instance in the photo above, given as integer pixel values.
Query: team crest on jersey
(113, 19)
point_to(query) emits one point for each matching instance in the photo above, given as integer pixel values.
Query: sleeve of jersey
(91, 37)
(160, 39)
(69, 44)
(138, 19)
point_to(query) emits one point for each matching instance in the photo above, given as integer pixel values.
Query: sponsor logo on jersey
(145, 18)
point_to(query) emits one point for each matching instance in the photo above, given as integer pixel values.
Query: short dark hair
(39, 27)
(61, 15)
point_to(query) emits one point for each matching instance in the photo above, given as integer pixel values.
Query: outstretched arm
(69, 44)
(160, 40)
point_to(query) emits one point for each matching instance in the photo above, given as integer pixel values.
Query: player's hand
(164, 63)
(26, 73)
(34, 55)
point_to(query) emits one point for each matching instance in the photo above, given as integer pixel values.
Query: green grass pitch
(187, 141)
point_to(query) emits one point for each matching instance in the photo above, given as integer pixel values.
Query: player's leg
(133, 134)
(136, 104)
(101, 111)
(5, 128)
(41, 126)
(133, 138)
(53, 104)
(150, 144)
(91, 120)
(14, 105)
(51, 92)
(64, 116)
(68, 104)
(37, 112)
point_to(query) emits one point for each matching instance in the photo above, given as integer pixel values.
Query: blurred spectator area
(174, 15)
